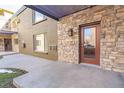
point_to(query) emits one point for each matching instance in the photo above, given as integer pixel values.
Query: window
(40, 43)
(89, 42)
(38, 17)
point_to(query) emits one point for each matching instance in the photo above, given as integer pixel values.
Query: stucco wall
(15, 47)
(26, 30)
(112, 26)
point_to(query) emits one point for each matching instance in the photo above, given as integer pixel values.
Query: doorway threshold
(90, 65)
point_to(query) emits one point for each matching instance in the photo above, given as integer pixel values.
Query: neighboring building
(105, 49)
(8, 41)
(9, 37)
(37, 33)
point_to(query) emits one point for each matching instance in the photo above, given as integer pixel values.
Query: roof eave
(43, 12)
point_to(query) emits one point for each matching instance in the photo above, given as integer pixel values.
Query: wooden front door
(8, 44)
(90, 44)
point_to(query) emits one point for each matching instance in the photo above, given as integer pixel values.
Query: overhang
(58, 11)
(7, 32)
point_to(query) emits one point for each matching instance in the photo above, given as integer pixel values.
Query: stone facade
(112, 27)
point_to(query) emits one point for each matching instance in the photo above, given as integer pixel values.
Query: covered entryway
(8, 41)
(89, 43)
(112, 34)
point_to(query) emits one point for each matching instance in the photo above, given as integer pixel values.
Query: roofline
(19, 11)
(7, 32)
(45, 13)
(37, 9)
(41, 11)
(15, 14)
(90, 6)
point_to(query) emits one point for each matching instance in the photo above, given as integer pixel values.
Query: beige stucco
(26, 30)
(15, 47)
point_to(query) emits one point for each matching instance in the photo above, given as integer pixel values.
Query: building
(8, 41)
(77, 23)
(37, 33)
(8, 36)
(82, 34)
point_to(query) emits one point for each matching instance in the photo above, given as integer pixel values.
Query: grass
(6, 79)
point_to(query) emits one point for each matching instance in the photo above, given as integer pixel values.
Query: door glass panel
(89, 42)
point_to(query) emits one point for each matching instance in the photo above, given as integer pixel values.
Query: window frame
(33, 18)
(34, 44)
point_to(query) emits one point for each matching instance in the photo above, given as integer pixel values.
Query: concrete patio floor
(7, 53)
(44, 73)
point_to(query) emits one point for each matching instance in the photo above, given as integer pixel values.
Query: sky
(13, 8)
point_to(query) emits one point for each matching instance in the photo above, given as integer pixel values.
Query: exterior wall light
(23, 44)
(70, 32)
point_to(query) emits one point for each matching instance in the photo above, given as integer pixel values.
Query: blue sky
(88, 32)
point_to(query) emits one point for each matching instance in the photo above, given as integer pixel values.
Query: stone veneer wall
(111, 47)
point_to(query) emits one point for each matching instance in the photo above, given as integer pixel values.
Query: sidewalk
(7, 53)
(44, 73)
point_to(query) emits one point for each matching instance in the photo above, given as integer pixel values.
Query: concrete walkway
(45, 73)
(7, 53)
